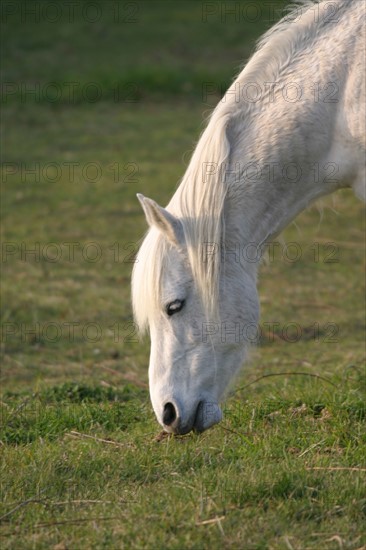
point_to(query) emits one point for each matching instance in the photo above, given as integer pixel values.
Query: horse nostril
(169, 414)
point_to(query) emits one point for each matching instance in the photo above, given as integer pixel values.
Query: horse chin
(208, 414)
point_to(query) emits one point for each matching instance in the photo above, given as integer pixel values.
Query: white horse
(290, 129)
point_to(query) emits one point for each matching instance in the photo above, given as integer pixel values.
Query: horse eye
(174, 307)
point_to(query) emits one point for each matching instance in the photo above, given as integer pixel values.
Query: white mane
(199, 201)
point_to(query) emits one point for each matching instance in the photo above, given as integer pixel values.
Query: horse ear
(156, 216)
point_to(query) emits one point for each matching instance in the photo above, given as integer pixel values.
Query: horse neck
(281, 160)
(261, 202)
(285, 154)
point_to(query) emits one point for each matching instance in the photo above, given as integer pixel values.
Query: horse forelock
(146, 278)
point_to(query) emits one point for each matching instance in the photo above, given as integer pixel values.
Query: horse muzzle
(205, 415)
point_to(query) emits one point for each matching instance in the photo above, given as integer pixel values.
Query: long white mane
(199, 200)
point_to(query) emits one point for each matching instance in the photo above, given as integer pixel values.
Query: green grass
(132, 51)
(81, 464)
(256, 471)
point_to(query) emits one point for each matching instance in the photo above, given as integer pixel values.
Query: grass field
(97, 106)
